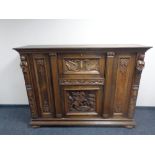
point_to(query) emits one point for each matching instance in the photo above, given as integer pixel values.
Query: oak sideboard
(86, 85)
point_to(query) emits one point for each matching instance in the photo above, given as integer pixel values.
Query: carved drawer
(81, 64)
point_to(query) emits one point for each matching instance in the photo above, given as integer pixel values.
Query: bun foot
(35, 126)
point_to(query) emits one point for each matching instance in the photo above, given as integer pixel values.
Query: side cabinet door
(124, 67)
(43, 84)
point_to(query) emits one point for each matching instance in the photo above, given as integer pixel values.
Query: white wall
(14, 33)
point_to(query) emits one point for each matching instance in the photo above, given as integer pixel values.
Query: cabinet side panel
(124, 75)
(43, 81)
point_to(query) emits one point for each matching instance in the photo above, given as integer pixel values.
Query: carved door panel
(124, 68)
(43, 84)
(85, 101)
(82, 64)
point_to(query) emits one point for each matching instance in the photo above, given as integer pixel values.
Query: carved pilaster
(28, 83)
(108, 83)
(135, 85)
(55, 77)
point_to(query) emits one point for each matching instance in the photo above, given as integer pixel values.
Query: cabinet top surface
(80, 46)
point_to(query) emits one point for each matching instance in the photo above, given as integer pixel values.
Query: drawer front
(81, 64)
(85, 101)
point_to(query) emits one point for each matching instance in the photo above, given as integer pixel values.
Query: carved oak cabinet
(82, 84)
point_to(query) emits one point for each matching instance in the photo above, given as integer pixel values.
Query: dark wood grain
(82, 84)
(108, 84)
(55, 84)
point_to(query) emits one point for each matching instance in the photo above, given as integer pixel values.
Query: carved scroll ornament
(82, 81)
(81, 65)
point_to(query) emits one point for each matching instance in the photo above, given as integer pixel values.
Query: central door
(82, 100)
(81, 79)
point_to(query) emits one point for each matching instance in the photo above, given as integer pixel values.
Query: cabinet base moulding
(119, 123)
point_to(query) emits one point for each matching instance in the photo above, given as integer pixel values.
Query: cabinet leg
(130, 126)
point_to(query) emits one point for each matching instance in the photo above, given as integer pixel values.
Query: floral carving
(81, 101)
(82, 82)
(134, 92)
(31, 100)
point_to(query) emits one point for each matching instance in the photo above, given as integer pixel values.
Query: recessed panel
(82, 100)
(42, 75)
(125, 70)
(80, 66)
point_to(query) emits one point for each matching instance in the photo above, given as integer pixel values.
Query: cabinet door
(124, 68)
(81, 81)
(82, 101)
(43, 84)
